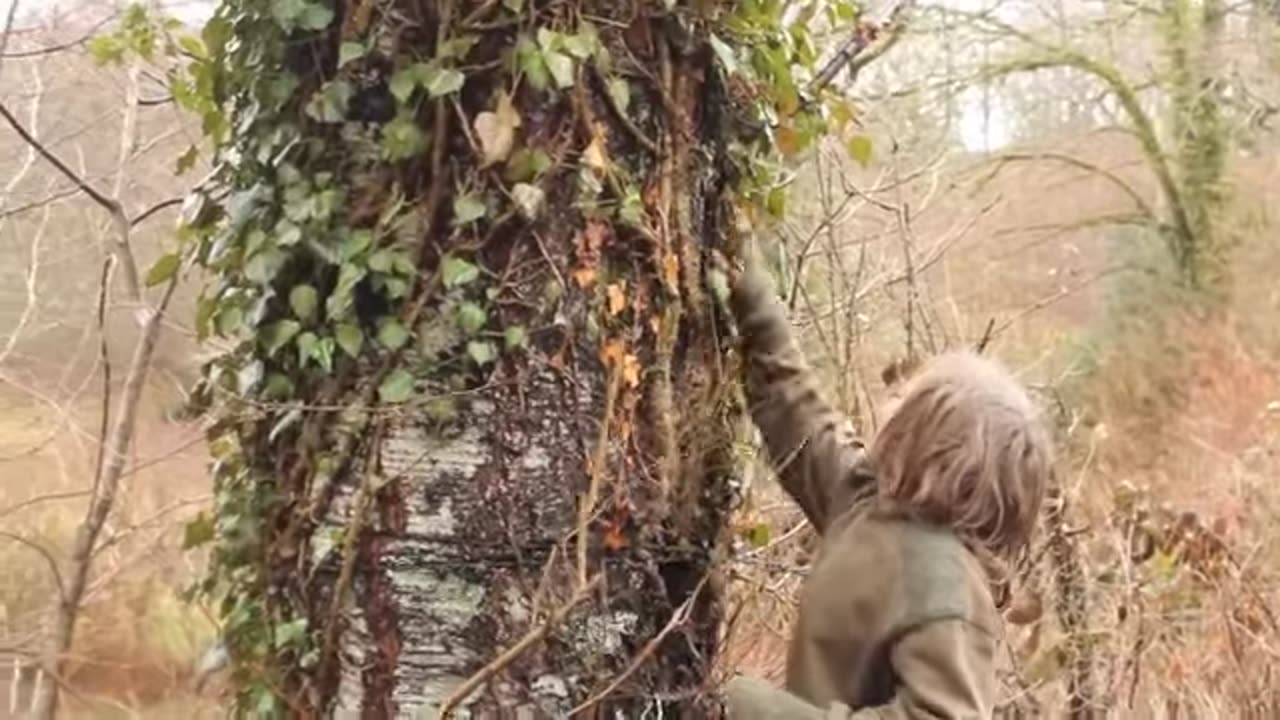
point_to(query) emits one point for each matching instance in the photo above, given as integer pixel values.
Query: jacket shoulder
(927, 572)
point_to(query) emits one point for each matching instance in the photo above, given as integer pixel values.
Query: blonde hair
(965, 449)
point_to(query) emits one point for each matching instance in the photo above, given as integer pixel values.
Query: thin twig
(509, 655)
(44, 553)
(104, 499)
(113, 207)
(596, 471)
(678, 618)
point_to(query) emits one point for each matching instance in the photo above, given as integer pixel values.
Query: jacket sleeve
(945, 671)
(818, 457)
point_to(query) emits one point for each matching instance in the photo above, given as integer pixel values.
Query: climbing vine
(374, 163)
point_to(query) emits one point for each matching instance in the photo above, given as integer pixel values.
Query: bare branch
(103, 499)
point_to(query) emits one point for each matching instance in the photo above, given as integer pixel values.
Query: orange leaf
(631, 370)
(617, 297)
(612, 353)
(585, 277)
(788, 141)
(613, 538)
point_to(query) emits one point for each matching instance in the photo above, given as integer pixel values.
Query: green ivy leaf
(304, 299)
(291, 633)
(860, 149)
(515, 337)
(471, 318)
(315, 17)
(456, 48)
(397, 387)
(561, 68)
(277, 334)
(343, 295)
(514, 6)
(532, 65)
(329, 104)
(481, 352)
(620, 91)
(351, 51)
(163, 269)
(443, 82)
(467, 209)
(402, 139)
(106, 49)
(287, 233)
(403, 83)
(307, 343)
(198, 531)
(392, 334)
(349, 337)
(229, 320)
(456, 272)
(380, 261)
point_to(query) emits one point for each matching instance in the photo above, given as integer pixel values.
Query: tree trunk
(483, 381)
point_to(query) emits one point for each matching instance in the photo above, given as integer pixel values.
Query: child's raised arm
(813, 448)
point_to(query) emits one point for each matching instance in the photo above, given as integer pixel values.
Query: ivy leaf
(529, 198)
(262, 267)
(860, 149)
(350, 51)
(402, 139)
(287, 233)
(514, 6)
(467, 209)
(457, 272)
(397, 387)
(197, 532)
(277, 334)
(303, 299)
(471, 317)
(443, 82)
(229, 320)
(380, 261)
(307, 343)
(392, 334)
(329, 104)
(561, 68)
(482, 353)
(515, 337)
(620, 91)
(343, 296)
(315, 17)
(403, 84)
(163, 269)
(457, 47)
(532, 65)
(497, 131)
(349, 338)
(291, 633)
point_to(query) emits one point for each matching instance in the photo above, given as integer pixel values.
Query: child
(897, 617)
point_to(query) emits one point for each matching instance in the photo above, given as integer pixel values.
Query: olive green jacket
(896, 617)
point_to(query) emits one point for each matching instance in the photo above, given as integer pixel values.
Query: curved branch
(1144, 207)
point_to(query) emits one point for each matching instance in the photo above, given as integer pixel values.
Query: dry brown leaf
(497, 131)
(617, 297)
